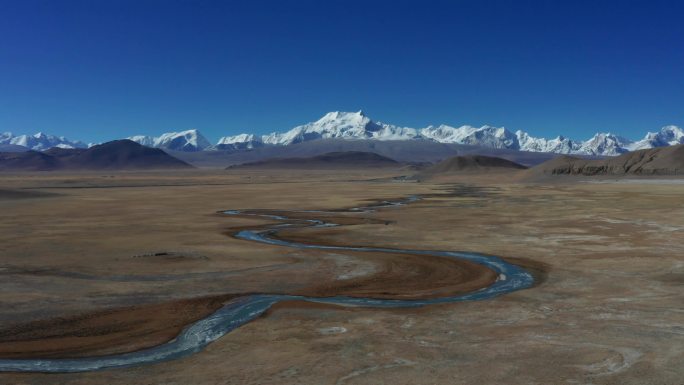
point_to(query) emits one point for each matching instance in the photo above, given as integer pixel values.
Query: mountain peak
(603, 143)
(39, 141)
(342, 115)
(667, 136)
(487, 136)
(188, 140)
(239, 142)
(358, 126)
(336, 124)
(674, 132)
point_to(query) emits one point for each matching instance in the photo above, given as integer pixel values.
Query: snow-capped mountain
(559, 145)
(345, 125)
(356, 125)
(486, 136)
(39, 141)
(190, 140)
(605, 144)
(601, 144)
(667, 136)
(239, 142)
(145, 140)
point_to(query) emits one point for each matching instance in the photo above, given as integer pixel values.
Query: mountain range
(114, 155)
(39, 141)
(653, 161)
(357, 126)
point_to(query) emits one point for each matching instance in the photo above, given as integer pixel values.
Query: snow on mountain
(562, 145)
(605, 144)
(189, 140)
(667, 136)
(144, 140)
(239, 142)
(486, 136)
(345, 125)
(356, 125)
(392, 132)
(39, 141)
(601, 144)
(526, 142)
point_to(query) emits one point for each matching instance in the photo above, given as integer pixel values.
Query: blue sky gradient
(98, 70)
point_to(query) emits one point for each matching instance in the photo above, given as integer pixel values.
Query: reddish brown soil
(394, 275)
(105, 332)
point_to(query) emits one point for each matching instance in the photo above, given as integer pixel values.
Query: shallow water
(242, 310)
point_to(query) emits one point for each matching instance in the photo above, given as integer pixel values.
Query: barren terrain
(124, 260)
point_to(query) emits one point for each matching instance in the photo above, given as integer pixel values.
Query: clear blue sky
(102, 69)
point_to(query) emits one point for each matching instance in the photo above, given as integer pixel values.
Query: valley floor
(125, 260)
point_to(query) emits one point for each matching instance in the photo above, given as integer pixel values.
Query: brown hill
(654, 161)
(122, 154)
(59, 152)
(12, 148)
(114, 155)
(469, 164)
(28, 161)
(400, 150)
(344, 159)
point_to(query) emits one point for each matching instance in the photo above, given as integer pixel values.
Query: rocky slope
(654, 161)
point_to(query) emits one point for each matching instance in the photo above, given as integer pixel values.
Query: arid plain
(97, 263)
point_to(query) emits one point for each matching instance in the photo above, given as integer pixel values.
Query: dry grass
(607, 312)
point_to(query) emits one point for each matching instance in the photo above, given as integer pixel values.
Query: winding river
(244, 309)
